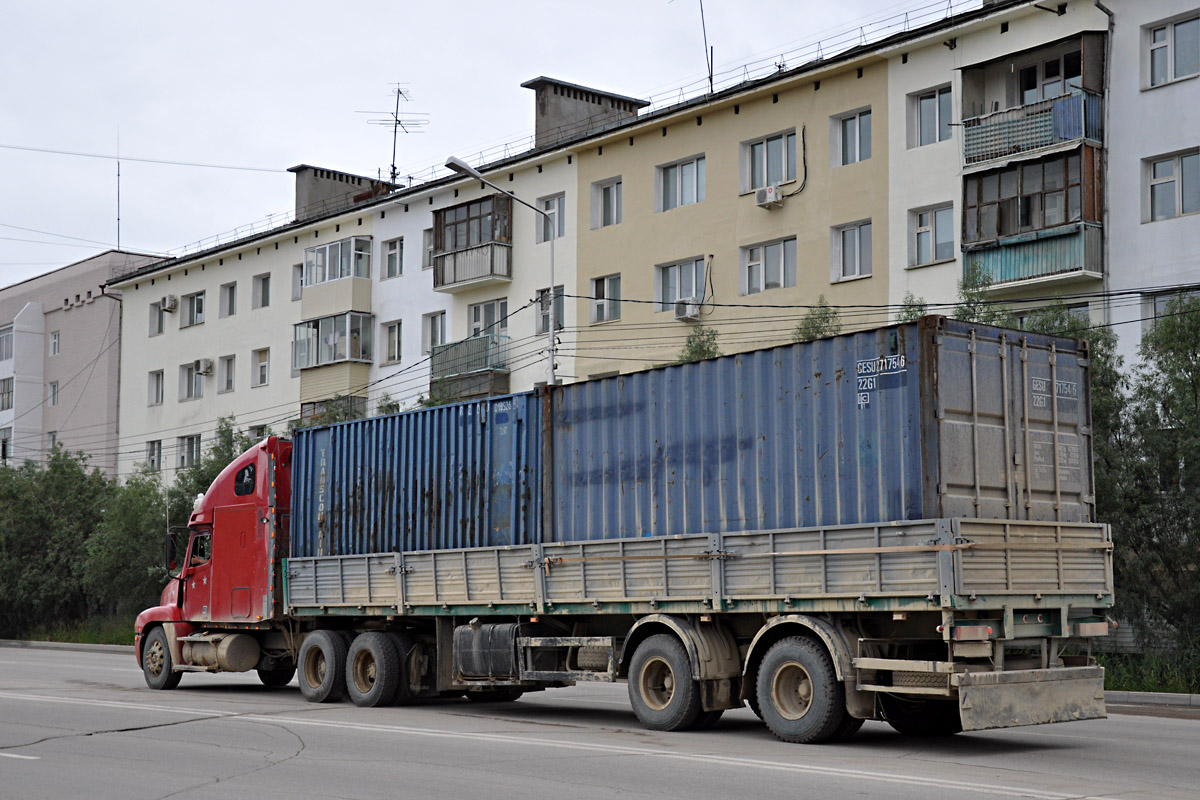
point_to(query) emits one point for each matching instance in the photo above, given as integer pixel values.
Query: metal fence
(486, 351)
(1079, 115)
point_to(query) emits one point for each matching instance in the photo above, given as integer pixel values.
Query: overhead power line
(141, 160)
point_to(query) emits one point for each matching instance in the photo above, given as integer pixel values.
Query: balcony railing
(1063, 253)
(485, 352)
(482, 264)
(1079, 115)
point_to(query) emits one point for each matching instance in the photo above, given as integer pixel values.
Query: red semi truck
(432, 553)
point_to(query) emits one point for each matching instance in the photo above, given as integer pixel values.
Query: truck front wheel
(661, 690)
(798, 692)
(322, 667)
(156, 662)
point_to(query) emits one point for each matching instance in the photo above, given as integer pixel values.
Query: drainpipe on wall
(1108, 46)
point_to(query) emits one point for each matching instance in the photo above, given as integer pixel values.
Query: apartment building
(59, 358)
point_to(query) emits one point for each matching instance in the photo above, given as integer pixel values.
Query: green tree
(821, 320)
(912, 308)
(124, 563)
(386, 405)
(441, 393)
(228, 443)
(701, 343)
(974, 304)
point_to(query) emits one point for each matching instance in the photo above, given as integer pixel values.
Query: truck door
(239, 553)
(197, 583)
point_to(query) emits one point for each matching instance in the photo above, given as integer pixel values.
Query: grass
(1151, 672)
(117, 629)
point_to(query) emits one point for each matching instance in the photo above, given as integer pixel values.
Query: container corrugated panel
(463, 475)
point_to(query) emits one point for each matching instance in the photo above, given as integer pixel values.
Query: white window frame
(477, 316)
(297, 281)
(427, 248)
(433, 330)
(1180, 180)
(6, 455)
(606, 299)
(393, 259)
(191, 382)
(154, 455)
(841, 234)
(755, 161)
(319, 268)
(51, 440)
(756, 258)
(555, 206)
(543, 313)
(158, 319)
(841, 154)
(924, 222)
(1169, 47)
(943, 118)
(52, 393)
(331, 340)
(187, 450)
(260, 365)
(260, 292)
(55, 342)
(6, 343)
(673, 176)
(697, 280)
(193, 310)
(606, 203)
(156, 387)
(393, 342)
(227, 300)
(6, 393)
(226, 374)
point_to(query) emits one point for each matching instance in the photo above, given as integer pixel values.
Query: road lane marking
(525, 742)
(24, 758)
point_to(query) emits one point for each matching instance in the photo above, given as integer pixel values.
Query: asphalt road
(83, 725)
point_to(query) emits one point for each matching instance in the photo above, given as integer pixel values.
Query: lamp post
(456, 164)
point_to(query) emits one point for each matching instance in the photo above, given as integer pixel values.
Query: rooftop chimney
(324, 191)
(567, 111)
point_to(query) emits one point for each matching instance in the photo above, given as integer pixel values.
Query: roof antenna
(709, 49)
(408, 122)
(118, 188)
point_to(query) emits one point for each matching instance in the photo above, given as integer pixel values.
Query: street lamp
(456, 164)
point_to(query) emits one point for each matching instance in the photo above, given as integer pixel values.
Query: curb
(123, 649)
(1152, 699)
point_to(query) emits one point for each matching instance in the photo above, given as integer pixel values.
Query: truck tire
(372, 670)
(799, 693)
(322, 667)
(157, 666)
(661, 690)
(279, 675)
(405, 649)
(921, 717)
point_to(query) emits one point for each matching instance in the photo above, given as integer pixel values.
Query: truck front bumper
(1029, 697)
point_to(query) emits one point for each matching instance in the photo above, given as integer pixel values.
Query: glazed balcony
(1064, 254)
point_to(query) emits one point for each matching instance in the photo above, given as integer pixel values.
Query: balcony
(475, 367)
(1040, 125)
(473, 267)
(1064, 254)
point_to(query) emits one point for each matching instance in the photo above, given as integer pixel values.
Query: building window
(52, 393)
(297, 281)
(679, 281)
(489, 317)
(393, 258)
(6, 343)
(228, 300)
(193, 310)
(260, 294)
(471, 224)
(347, 258)
(187, 450)
(157, 318)
(606, 298)
(852, 251)
(261, 360)
(768, 266)
(191, 381)
(1030, 196)
(1174, 186)
(154, 455)
(427, 248)
(328, 340)
(554, 224)
(769, 162)
(225, 373)
(681, 183)
(391, 335)
(932, 237)
(543, 324)
(55, 343)
(5, 446)
(6, 394)
(854, 137)
(154, 388)
(606, 203)
(257, 432)
(932, 116)
(1173, 51)
(51, 440)
(433, 331)
(1051, 77)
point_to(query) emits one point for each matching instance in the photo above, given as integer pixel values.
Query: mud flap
(1030, 697)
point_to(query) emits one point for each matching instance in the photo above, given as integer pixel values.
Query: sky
(265, 85)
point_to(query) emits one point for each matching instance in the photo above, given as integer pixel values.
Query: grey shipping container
(936, 418)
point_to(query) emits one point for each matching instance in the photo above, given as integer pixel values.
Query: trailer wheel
(661, 690)
(279, 675)
(372, 670)
(406, 693)
(798, 692)
(323, 667)
(921, 717)
(502, 694)
(156, 662)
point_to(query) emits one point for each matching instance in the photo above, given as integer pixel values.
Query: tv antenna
(708, 55)
(409, 121)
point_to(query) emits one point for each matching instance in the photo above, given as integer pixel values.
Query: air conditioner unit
(203, 366)
(769, 197)
(687, 308)
(169, 303)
